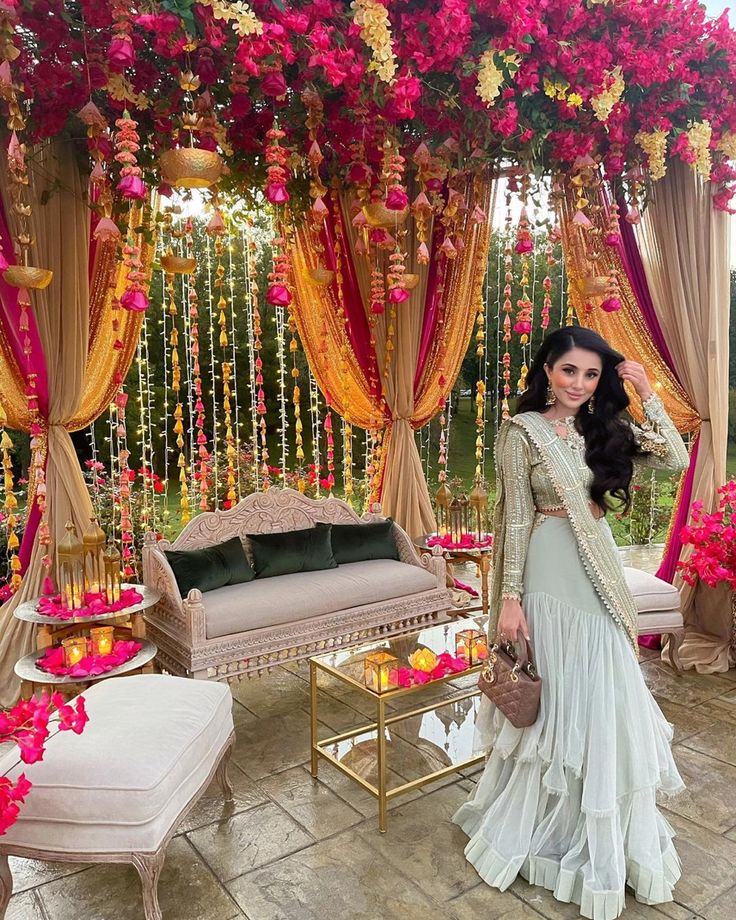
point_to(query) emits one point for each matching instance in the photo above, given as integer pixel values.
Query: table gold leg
(381, 725)
(485, 566)
(313, 715)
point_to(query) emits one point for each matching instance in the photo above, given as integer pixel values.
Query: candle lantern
(111, 560)
(93, 540)
(471, 645)
(75, 648)
(442, 501)
(70, 554)
(464, 514)
(101, 640)
(381, 672)
(456, 529)
(479, 510)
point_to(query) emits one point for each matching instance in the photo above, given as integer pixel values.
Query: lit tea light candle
(75, 648)
(381, 672)
(101, 639)
(471, 645)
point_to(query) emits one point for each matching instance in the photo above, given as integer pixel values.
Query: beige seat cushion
(150, 744)
(305, 595)
(651, 593)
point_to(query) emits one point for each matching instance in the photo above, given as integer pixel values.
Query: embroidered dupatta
(599, 557)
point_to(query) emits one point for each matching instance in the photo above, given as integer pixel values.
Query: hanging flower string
(202, 475)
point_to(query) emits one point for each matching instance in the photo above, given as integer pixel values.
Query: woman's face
(574, 377)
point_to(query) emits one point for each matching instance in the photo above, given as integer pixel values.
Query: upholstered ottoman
(658, 603)
(117, 792)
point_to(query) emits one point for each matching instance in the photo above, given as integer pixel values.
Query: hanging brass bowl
(28, 276)
(594, 286)
(178, 265)
(190, 167)
(410, 280)
(321, 276)
(378, 215)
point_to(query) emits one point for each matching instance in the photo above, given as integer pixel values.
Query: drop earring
(591, 405)
(551, 398)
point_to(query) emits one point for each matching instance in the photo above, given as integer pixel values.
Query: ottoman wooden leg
(6, 884)
(221, 775)
(149, 866)
(673, 648)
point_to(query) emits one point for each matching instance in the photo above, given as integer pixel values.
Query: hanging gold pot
(178, 265)
(190, 167)
(378, 215)
(28, 276)
(321, 276)
(410, 280)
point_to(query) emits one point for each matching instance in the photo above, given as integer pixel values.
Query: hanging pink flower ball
(612, 239)
(359, 173)
(3, 262)
(135, 301)
(522, 327)
(278, 295)
(377, 308)
(120, 53)
(524, 246)
(132, 187)
(276, 193)
(397, 199)
(398, 295)
(274, 84)
(611, 304)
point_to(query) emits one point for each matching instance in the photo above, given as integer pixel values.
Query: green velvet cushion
(307, 550)
(210, 568)
(361, 542)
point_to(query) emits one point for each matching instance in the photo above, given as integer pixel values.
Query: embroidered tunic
(538, 469)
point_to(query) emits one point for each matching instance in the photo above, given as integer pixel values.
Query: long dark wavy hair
(609, 440)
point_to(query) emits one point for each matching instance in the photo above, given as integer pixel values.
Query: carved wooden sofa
(287, 616)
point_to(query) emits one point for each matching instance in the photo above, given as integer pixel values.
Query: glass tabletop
(350, 664)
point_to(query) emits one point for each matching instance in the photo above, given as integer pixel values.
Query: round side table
(480, 555)
(51, 630)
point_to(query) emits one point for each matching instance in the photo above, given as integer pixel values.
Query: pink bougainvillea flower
(135, 301)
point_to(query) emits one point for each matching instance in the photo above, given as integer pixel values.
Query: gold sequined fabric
(537, 468)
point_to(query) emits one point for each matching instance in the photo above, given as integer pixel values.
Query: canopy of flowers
(541, 83)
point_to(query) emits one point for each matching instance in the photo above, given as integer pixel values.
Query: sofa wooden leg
(222, 776)
(6, 884)
(149, 866)
(673, 648)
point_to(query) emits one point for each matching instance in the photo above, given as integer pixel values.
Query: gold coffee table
(348, 666)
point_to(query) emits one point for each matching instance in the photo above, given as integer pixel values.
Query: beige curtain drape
(684, 243)
(61, 230)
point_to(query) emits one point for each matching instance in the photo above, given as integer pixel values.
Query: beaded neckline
(572, 438)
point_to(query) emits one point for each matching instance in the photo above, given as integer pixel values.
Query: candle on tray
(75, 648)
(381, 672)
(101, 639)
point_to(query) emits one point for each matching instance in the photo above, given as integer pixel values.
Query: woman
(569, 803)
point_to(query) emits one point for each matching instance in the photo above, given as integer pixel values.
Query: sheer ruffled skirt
(569, 803)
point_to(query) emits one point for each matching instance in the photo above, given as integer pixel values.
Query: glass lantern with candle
(471, 645)
(101, 640)
(442, 500)
(75, 649)
(381, 672)
(464, 515)
(93, 540)
(70, 555)
(479, 510)
(111, 560)
(455, 522)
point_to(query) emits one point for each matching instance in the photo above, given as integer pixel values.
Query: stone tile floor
(293, 848)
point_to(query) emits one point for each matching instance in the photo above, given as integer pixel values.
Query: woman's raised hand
(637, 376)
(512, 622)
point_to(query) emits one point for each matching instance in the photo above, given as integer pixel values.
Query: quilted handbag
(511, 682)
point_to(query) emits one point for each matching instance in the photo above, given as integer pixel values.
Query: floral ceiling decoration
(624, 84)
